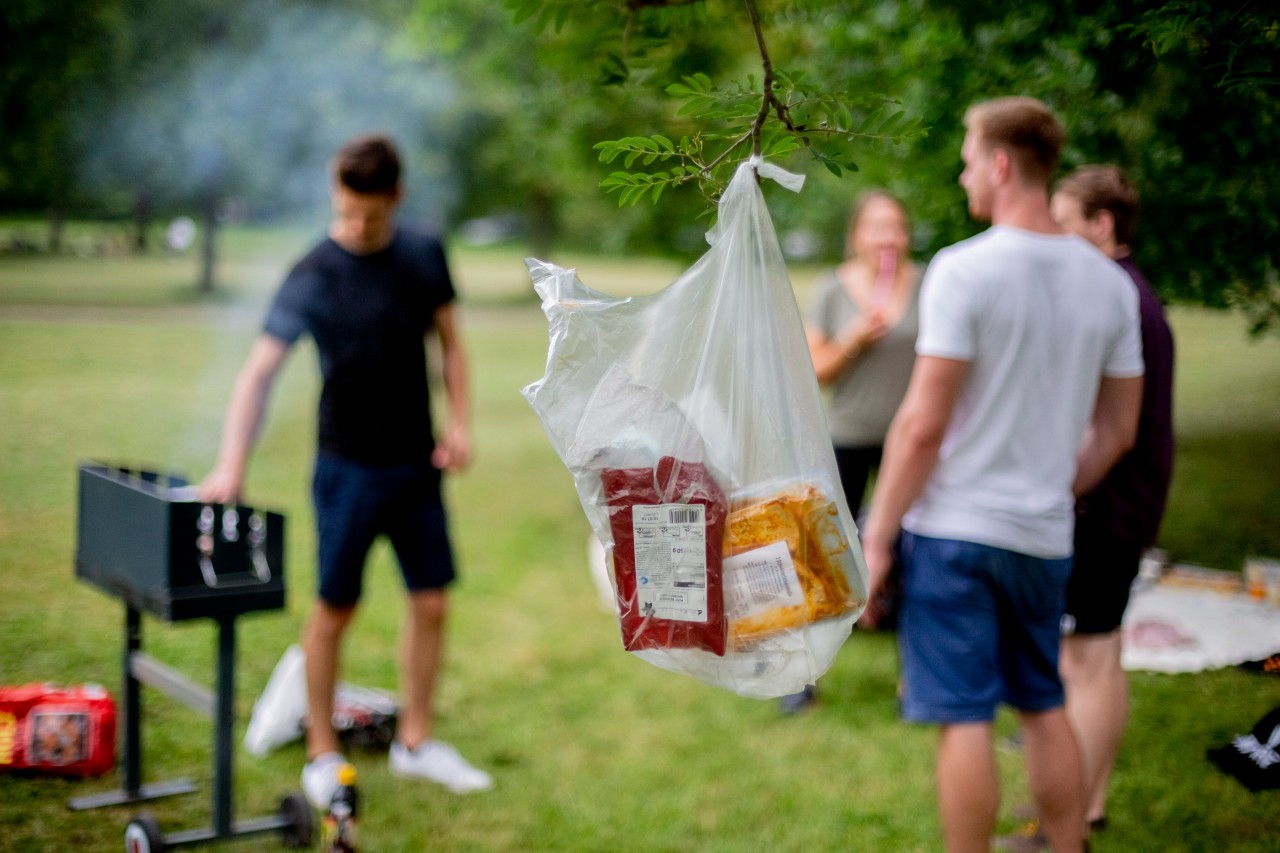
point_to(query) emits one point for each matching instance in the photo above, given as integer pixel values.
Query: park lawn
(592, 749)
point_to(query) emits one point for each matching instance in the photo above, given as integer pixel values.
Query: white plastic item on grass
(279, 712)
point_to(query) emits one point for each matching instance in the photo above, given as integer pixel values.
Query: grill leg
(132, 711)
(131, 789)
(222, 727)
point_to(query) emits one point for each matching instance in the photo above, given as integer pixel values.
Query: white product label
(761, 580)
(671, 560)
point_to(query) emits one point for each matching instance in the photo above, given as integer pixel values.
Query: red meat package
(69, 731)
(668, 530)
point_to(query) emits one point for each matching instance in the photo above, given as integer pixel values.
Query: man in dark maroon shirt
(1119, 519)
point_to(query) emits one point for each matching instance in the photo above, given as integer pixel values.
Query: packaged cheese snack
(786, 563)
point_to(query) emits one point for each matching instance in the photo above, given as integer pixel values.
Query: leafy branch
(1238, 42)
(770, 117)
(785, 115)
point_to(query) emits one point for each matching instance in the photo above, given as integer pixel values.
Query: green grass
(592, 749)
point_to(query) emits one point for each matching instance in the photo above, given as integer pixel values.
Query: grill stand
(294, 819)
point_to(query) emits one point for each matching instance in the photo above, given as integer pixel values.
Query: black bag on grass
(1253, 758)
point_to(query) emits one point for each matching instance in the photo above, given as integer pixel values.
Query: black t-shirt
(1130, 502)
(368, 315)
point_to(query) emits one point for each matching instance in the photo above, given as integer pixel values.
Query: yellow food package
(786, 562)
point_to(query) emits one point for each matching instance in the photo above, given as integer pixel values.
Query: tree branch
(750, 134)
(769, 99)
(633, 5)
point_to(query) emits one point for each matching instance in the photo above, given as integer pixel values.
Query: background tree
(134, 106)
(534, 99)
(52, 52)
(256, 111)
(1177, 93)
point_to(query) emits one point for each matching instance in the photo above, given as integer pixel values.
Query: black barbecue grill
(143, 537)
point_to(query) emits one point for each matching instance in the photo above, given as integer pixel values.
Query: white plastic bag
(362, 716)
(693, 426)
(279, 712)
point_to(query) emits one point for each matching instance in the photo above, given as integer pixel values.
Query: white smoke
(262, 121)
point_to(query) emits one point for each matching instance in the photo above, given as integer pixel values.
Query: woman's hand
(864, 331)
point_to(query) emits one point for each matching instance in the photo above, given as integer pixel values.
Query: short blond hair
(1025, 128)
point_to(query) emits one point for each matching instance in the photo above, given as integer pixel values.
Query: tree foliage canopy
(529, 107)
(1180, 94)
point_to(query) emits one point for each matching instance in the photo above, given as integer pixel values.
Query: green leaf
(867, 122)
(887, 126)
(696, 103)
(562, 17)
(844, 117)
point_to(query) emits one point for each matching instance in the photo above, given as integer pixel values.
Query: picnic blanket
(1177, 629)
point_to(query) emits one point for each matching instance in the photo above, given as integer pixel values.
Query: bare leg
(968, 786)
(322, 644)
(1056, 778)
(1097, 707)
(421, 654)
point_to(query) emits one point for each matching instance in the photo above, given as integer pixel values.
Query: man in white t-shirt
(1025, 391)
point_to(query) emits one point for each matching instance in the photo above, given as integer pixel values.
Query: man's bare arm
(1112, 431)
(244, 420)
(453, 452)
(910, 455)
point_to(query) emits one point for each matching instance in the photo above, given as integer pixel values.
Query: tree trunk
(141, 219)
(544, 226)
(56, 221)
(208, 248)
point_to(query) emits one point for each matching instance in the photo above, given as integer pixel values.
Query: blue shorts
(979, 627)
(355, 503)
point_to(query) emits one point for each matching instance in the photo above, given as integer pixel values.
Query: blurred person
(861, 328)
(1025, 390)
(369, 294)
(1119, 519)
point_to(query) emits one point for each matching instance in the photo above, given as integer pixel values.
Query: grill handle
(207, 534)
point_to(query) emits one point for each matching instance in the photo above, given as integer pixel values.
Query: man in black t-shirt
(368, 294)
(1119, 518)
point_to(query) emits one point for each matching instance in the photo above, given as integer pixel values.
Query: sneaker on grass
(1028, 838)
(437, 761)
(795, 703)
(320, 778)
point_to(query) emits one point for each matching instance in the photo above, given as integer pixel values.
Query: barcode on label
(683, 516)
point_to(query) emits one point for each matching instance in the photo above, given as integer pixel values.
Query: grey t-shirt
(867, 393)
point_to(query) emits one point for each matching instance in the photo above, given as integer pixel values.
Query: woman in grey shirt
(861, 327)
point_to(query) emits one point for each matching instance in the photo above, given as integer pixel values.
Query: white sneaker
(437, 761)
(320, 778)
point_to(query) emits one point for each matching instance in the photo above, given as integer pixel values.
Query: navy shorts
(979, 627)
(355, 503)
(1098, 591)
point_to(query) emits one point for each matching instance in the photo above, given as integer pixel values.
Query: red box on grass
(68, 731)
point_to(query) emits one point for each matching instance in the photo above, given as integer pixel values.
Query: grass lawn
(593, 750)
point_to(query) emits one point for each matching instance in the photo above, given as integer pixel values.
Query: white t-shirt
(1041, 318)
